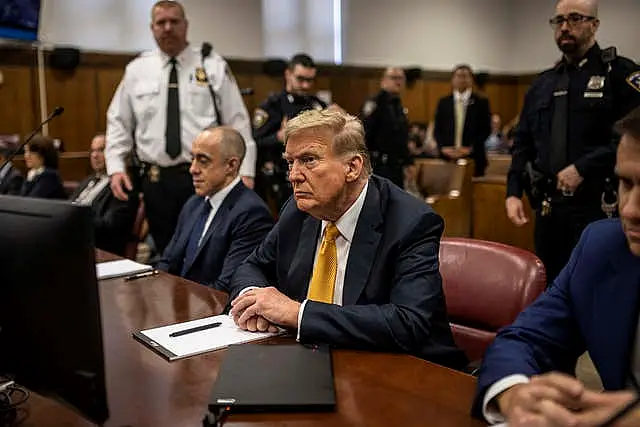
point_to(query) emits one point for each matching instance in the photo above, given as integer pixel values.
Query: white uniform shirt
(139, 109)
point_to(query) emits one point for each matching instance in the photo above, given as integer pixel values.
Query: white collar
(464, 96)
(347, 223)
(217, 199)
(181, 58)
(33, 173)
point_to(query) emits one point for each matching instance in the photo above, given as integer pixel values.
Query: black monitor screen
(19, 19)
(50, 322)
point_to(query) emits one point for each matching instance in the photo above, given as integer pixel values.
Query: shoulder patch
(634, 80)
(260, 117)
(369, 108)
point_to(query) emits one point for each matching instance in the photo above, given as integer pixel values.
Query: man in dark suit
(10, 178)
(224, 221)
(112, 218)
(353, 260)
(463, 121)
(591, 306)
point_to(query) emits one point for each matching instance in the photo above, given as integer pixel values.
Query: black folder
(274, 378)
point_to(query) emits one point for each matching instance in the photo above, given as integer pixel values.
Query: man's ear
(354, 167)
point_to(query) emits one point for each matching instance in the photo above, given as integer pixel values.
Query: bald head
(584, 7)
(393, 80)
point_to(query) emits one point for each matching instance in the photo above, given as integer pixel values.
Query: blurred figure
(112, 218)
(387, 128)
(10, 177)
(463, 121)
(43, 180)
(496, 142)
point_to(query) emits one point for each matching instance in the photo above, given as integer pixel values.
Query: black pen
(196, 329)
(141, 275)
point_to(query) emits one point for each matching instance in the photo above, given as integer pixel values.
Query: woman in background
(43, 180)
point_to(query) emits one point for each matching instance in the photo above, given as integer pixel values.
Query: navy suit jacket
(240, 224)
(592, 305)
(392, 297)
(12, 182)
(477, 127)
(47, 185)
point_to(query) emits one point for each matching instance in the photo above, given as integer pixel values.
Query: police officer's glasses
(572, 19)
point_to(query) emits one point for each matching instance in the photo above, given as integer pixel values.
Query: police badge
(260, 117)
(595, 83)
(369, 108)
(201, 75)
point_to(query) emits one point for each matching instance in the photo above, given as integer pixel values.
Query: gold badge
(154, 174)
(201, 75)
(260, 117)
(369, 108)
(634, 80)
(595, 83)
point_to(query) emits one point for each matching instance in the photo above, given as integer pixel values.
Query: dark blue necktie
(194, 237)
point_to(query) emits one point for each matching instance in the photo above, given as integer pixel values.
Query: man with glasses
(564, 147)
(387, 128)
(269, 121)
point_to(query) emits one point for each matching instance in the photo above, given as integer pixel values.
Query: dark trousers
(164, 196)
(558, 233)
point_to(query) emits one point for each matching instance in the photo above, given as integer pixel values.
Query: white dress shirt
(34, 173)
(91, 191)
(463, 97)
(346, 225)
(139, 109)
(215, 201)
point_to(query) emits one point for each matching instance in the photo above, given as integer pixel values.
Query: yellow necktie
(323, 281)
(460, 116)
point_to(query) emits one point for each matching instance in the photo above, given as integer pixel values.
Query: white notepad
(119, 268)
(173, 348)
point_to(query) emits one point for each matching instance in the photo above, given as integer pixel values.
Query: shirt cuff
(489, 406)
(304, 303)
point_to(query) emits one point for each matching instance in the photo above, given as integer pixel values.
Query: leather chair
(486, 284)
(138, 232)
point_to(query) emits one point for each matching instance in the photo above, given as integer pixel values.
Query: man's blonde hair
(347, 130)
(164, 4)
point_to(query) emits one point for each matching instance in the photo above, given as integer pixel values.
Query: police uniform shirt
(139, 107)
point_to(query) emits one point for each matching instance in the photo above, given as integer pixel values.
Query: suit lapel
(363, 247)
(302, 263)
(619, 321)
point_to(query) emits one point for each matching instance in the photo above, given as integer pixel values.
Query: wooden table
(144, 390)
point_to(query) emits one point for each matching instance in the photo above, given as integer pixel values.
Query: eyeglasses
(571, 19)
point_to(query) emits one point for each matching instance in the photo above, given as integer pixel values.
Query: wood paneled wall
(85, 92)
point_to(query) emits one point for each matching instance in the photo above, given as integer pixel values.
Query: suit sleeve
(523, 150)
(250, 229)
(15, 184)
(403, 324)
(626, 97)
(545, 337)
(119, 216)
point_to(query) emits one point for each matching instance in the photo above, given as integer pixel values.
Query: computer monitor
(50, 323)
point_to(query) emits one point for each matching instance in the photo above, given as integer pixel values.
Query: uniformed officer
(564, 147)
(387, 128)
(166, 98)
(269, 121)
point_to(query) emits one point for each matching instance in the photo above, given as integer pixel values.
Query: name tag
(560, 93)
(593, 94)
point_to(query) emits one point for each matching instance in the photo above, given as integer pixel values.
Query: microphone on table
(55, 113)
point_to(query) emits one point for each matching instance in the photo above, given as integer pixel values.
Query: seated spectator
(224, 221)
(10, 177)
(353, 260)
(112, 218)
(43, 180)
(496, 142)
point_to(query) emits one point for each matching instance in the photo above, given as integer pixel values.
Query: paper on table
(119, 268)
(198, 342)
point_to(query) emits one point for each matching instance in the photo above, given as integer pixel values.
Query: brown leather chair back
(137, 234)
(486, 285)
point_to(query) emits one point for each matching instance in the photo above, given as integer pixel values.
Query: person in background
(224, 221)
(43, 180)
(387, 128)
(113, 218)
(10, 178)
(269, 120)
(463, 121)
(162, 103)
(353, 260)
(496, 142)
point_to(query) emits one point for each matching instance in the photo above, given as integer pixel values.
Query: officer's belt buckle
(154, 173)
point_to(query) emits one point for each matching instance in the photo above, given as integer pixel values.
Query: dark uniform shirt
(387, 129)
(267, 120)
(598, 95)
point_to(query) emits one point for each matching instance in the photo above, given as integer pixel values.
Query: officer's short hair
(301, 59)
(348, 132)
(462, 67)
(167, 4)
(44, 146)
(231, 143)
(629, 124)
